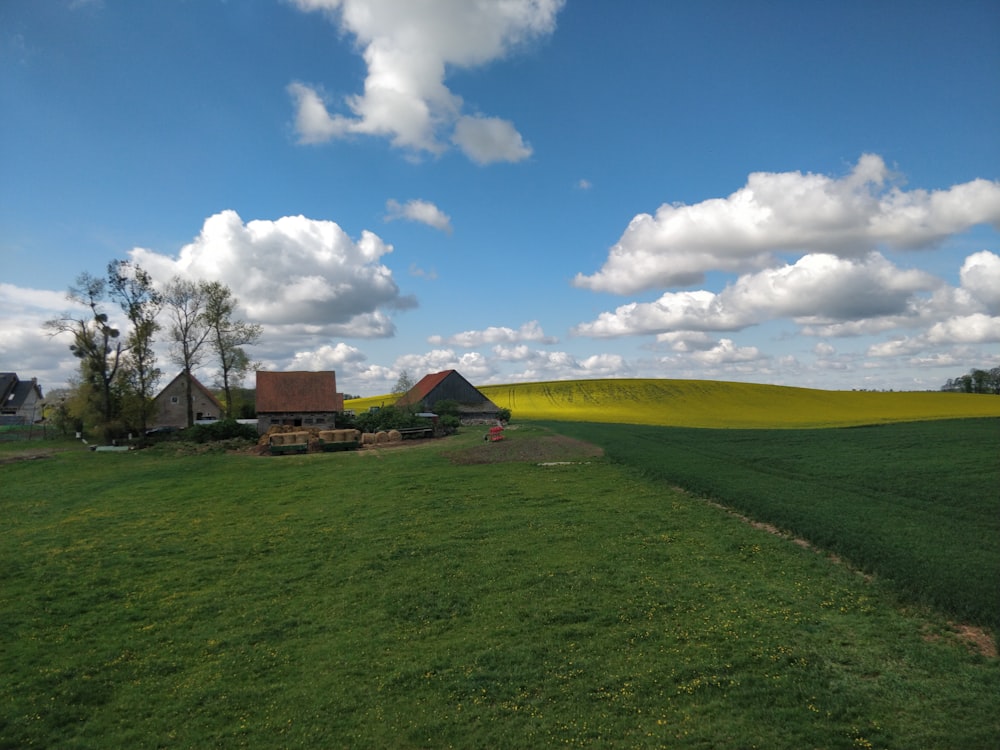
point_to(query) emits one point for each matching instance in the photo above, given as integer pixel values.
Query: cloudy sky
(776, 192)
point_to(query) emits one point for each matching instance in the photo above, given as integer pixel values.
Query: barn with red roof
(449, 385)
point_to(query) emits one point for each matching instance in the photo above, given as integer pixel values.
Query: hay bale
(395, 436)
(328, 436)
(367, 438)
(381, 437)
(353, 435)
(277, 439)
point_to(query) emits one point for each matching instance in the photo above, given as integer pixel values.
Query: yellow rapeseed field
(707, 403)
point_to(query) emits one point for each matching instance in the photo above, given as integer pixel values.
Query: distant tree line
(118, 370)
(975, 381)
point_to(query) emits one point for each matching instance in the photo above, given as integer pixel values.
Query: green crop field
(458, 593)
(915, 503)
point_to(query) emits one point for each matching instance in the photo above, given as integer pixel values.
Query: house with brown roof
(297, 399)
(449, 385)
(170, 404)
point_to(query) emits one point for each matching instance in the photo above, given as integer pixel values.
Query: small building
(20, 400)
(449, 385)
(297, 399)
(170, 404)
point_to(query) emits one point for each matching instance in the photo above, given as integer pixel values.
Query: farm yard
(582, 585)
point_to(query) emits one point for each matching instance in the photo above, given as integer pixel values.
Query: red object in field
(496, 433)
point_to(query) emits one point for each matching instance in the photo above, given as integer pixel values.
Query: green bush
(224, 429)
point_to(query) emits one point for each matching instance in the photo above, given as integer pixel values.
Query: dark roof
(8, 381)
(14, 391)
(448, 385)
(297, 392)
(423, 388)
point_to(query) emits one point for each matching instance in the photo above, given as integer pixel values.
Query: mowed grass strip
(398, 598)
(917, 503)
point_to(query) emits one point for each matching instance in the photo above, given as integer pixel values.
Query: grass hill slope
(716, 404)
(704, 403)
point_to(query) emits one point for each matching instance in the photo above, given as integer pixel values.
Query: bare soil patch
(520, 448)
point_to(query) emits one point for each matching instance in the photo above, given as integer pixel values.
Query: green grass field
(455, 594)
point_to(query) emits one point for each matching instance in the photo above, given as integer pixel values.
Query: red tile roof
(298, 392)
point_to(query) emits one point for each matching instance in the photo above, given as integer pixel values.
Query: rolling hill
(717, 404)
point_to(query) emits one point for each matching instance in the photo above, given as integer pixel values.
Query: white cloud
(726, 352)
(817, 289)
(686, 341)
(473, 365)
(980, 275)
(408, 48)
(788, 212)
(968, 329)
(486, 140)
(530, 331)
(296, 275)
(327, 357)
(420, 211)
(25, 346)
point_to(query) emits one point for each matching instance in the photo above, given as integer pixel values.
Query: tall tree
(132, 288)
(184, 301)
(228, 337)
(96, 343)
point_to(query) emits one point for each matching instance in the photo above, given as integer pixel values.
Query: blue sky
(776, 192)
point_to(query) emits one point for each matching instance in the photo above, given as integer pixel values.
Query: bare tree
(228, 337)
(184, 301)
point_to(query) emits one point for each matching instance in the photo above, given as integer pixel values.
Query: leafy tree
(975, 381)
(95, 342)
(132, 288)
(228, 337)
(185, 302)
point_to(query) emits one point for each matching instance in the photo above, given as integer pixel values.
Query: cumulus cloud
(816, 289)
(980, 276)
(24, 341)
(790, 212)
(423, 212)
(541, 365)
(295, 275)
(408, 48)
(530, 331)
(473, 365)
(486, 140)
(327, 357)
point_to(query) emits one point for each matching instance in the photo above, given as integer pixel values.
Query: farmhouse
(297, 399)
(20, 400)
(170, 404)
(449, 385)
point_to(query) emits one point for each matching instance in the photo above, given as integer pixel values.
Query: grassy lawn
(434, 596)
